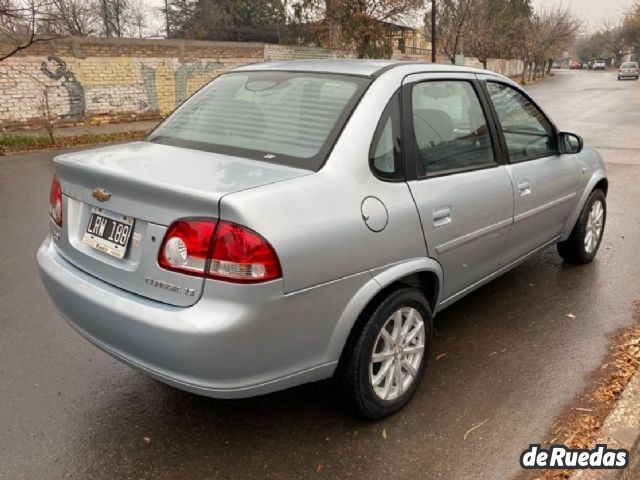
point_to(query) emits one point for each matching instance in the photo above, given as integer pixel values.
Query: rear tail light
(221, 250)
(55, 201)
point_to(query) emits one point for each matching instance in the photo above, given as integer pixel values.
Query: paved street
(508, 355)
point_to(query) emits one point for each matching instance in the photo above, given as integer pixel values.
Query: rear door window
(450, 127)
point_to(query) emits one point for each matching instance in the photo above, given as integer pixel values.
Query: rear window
(630, 65)
(279, 117)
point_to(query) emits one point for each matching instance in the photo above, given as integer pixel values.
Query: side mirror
(570, 143)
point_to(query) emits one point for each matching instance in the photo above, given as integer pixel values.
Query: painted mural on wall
(72, 88)
(181, 76)
(55, 68)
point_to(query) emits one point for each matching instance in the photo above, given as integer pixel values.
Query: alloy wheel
(397, 354)
(593, 229)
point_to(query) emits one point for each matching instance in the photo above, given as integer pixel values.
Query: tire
(577, 248)
(358, 370)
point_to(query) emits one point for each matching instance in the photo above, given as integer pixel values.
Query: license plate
(108, 232)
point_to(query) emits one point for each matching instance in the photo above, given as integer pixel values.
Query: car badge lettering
(189, 292)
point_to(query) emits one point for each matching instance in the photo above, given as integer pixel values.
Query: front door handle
(441, 216)
(524, 188)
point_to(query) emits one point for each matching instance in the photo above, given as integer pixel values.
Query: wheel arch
(424, 274)
(598, 180)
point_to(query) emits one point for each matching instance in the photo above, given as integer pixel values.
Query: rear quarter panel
(315, 222)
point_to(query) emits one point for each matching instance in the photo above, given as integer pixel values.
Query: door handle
(441, 216)
(524, 188)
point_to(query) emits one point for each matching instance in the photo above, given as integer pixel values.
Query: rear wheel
(583, 243)
(384, 363)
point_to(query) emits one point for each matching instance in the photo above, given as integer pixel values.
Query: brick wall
(98, 80)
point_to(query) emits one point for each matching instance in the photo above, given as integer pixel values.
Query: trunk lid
(156, 185)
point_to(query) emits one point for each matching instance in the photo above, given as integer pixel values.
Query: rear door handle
(524, 188)
(441, 216)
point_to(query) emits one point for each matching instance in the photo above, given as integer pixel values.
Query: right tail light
(218, 249)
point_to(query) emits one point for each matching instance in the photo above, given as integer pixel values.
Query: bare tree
(631, 28)
(114, 16)
(19, 24)
(71, 17)
(453, 20)
(358, 26)
(544, 36)
(177, 13)
(138, 18)
(494, 28)
(612, 38)
(486, 28)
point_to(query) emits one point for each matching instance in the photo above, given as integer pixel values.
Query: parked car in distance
(629, 70)
(575, 65)
(585, 65)
(295, 221)
(599, 65)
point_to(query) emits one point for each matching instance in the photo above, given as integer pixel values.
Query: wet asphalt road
(513, 358)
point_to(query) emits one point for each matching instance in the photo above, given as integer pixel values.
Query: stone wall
(97, 80)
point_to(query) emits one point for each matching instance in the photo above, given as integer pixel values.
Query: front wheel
(583, 243)
(384, 362)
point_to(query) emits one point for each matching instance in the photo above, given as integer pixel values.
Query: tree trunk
(523, 80)
(364, 43)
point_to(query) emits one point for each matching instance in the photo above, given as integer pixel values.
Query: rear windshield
(629, 65)
(279, 117)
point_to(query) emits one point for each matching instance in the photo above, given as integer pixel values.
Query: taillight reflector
(186, 246)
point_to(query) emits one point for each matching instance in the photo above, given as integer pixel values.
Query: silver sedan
(304, 220)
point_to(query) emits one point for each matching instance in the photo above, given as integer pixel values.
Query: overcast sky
(593, 12)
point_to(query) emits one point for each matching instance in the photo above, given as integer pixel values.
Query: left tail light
(55, 201)
(218, 249)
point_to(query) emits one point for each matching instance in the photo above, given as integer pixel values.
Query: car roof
(365, 68)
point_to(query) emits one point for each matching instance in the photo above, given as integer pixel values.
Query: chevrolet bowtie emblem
(101, 195)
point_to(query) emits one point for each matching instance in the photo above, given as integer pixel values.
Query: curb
(621, 429)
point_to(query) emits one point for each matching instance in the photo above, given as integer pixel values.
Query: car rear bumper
(218, 348)
(628, 75)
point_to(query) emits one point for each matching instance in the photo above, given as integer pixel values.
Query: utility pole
(106, 18)
(433, 31)
(166, 16)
